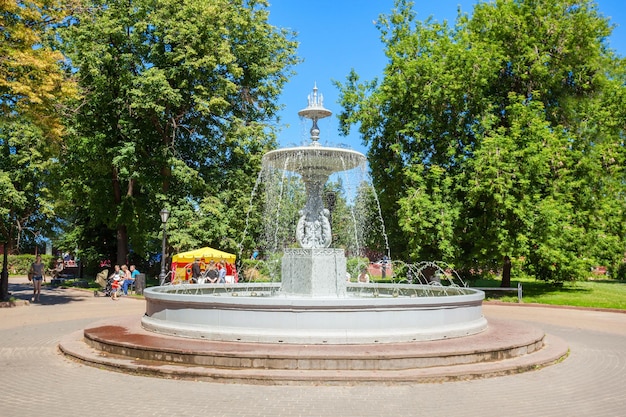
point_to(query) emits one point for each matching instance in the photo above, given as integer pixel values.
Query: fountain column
(315, 269)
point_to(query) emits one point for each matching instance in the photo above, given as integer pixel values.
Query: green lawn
(597, 293)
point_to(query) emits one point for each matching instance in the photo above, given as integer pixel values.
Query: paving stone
(36, 380)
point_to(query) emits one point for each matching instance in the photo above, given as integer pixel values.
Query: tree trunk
(122, 245)
(4, 276)
(121, 232)
(506, 273)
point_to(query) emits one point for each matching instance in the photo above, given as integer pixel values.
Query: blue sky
(338, 35)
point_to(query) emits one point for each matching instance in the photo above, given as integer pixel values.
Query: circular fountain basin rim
(238, 295)
(183, 310)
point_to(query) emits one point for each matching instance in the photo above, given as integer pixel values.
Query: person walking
(37, 270)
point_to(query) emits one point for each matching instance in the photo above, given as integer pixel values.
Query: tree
(33, 89)
(34, 86)
(180, 104)
(33, 82)
(495, 139)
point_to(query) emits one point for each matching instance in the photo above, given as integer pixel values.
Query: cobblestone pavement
(35, 380)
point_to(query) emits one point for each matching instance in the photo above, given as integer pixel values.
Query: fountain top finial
(314, 99)
(315, 111)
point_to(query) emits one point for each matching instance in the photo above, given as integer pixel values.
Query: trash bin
(140, 283)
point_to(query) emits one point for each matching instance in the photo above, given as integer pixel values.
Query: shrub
(20, 264)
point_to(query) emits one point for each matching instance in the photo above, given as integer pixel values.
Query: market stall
(181, 262)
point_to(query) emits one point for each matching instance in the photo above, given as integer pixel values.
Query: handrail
(519, 290)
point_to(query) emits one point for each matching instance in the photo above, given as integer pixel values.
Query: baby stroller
(102, 279)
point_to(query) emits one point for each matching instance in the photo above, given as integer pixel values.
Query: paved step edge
(553, 351)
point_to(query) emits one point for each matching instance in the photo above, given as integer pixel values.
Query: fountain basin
(314, 160)
(240, 313)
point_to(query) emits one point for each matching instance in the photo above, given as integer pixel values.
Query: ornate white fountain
(314, 327)
(314, 269)
(311, 305)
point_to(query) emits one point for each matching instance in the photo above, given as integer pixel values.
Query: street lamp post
(165, 214)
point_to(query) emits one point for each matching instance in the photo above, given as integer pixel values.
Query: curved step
(505, 348)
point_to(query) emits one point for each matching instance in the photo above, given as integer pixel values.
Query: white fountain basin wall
(240, 313)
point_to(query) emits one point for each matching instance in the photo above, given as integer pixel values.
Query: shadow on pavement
(49, 295)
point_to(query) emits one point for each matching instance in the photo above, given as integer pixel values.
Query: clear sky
(338, 35)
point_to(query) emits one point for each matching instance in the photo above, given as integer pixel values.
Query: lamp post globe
(165, 214)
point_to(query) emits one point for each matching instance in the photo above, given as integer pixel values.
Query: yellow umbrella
(205, 254)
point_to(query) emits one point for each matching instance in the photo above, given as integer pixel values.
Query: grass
(604, 293)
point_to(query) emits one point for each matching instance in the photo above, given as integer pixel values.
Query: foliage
(179, 105)
(356, 224)
(33, 84)
(355, 264)
(502, 135)
(253, 270)
(619, 272)
(34, 88)
(20, 264)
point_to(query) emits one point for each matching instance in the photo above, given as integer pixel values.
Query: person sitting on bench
(57, 269)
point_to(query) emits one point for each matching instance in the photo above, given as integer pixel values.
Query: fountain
(314, 325)
(314, 269)
(312, 305)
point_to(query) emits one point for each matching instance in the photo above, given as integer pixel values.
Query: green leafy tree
(33, 82)
(180, 104)
(33, 89)
(34, 86)
(500, 137)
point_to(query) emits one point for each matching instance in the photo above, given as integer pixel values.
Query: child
(115, 286)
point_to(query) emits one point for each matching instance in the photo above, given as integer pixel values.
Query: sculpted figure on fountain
(314, 232)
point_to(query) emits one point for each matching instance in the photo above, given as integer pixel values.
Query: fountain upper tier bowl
(313, 160)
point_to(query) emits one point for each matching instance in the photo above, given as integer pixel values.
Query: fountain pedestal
(314, 272)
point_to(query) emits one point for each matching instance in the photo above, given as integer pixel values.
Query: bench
(510, 289)
(61, 279)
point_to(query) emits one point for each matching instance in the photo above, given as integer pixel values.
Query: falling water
(250, 206)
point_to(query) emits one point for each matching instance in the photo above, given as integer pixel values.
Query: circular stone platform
(504, 348)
